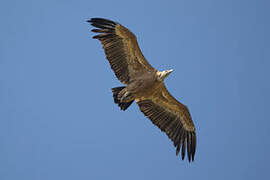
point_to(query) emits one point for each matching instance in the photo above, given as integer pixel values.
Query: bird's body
(144, 84)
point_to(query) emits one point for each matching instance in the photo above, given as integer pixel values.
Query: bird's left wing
(173, 118)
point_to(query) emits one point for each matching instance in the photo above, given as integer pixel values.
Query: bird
(144, 85)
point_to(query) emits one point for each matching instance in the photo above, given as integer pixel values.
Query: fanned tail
(122, 105)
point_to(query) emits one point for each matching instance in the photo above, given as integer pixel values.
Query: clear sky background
(57, 116)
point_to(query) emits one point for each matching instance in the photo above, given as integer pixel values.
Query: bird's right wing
(121, 49)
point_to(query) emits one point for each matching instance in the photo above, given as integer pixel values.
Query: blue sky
(57, 116)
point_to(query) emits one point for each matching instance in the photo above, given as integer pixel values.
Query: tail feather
(122, 105)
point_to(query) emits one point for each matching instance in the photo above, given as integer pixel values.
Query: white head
(163, 74)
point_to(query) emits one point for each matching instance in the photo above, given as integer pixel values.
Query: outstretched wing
(173, 118)
(121, 49)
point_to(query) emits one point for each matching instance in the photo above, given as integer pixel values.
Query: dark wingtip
(177, 150)
(103, 20)
(184, 147)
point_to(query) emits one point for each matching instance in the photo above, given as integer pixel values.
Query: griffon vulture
(145, 85)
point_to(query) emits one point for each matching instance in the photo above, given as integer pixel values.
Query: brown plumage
(145, 85)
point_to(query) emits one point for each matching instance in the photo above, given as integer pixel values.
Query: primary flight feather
(145, 85)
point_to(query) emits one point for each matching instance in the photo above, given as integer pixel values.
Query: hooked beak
(166, 73)
(169, 71)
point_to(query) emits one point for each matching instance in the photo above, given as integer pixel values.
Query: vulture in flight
(145, 85)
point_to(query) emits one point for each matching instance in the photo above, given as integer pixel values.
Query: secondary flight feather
(144, 85)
